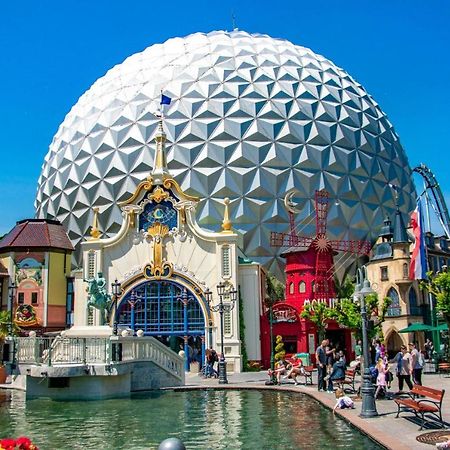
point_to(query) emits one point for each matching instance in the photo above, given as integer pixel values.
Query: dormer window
(444, 244)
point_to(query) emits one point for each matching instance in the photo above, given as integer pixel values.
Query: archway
(393, 343)
(168, 311)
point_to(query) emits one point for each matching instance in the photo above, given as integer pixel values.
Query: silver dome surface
(251, 117)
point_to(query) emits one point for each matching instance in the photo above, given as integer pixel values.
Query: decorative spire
(226, 224)
(400, 234)
(386, 230)
(160, 165)
(95, 232)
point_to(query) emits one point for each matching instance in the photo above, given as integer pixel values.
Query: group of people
(407, 364)
(331, 365)
(288, 369)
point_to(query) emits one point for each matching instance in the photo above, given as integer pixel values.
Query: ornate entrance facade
(164, 309)
(165, 263)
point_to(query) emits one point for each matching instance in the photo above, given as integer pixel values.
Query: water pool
(203, 419)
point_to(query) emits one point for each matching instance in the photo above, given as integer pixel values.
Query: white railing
(63, 351)
(150, 349)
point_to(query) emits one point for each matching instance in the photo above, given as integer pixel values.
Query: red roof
(32, 233)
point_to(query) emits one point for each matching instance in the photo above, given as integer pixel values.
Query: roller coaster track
(432, 185)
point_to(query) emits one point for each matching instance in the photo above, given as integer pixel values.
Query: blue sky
(53, 51)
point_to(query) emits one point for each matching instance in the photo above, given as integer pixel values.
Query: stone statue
(98, 296)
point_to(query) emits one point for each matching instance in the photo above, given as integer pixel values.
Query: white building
(166, 264)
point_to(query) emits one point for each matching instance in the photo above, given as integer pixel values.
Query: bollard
(171, 444)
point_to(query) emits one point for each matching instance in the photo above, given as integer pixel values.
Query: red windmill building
(309, 277)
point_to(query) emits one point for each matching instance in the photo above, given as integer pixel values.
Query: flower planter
(3, 375)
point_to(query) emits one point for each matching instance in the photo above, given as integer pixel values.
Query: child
(342, 401)
(381, 377)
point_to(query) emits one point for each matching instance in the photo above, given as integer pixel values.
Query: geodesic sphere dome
(250, 118)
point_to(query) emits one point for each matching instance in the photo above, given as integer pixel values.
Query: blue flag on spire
(165, 100)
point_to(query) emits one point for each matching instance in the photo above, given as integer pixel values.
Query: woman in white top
(403, 360)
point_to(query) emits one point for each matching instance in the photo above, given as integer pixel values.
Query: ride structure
(435, 199)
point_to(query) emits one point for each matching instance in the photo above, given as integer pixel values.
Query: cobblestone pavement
(396, 434)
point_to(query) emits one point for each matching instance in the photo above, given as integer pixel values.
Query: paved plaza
(396, 434)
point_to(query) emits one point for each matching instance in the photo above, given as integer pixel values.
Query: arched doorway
(168, 311)
(393, 343)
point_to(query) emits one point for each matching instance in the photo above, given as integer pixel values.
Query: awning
(416, 327)
(441, 327)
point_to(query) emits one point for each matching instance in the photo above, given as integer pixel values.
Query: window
(405, 271)
(227, 322)
(91, 265)
(69, 302)
(384, 273)
(226, 268)
(413, 308)
(313, 286)
(34, 298)
(394, 308)
(444, 244)
(20, 298)
(302, 287)
(291, 288)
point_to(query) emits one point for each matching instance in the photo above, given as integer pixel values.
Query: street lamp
(368, 407)
(133, 300)
(116, 289)
(223, 291)
(12, 292)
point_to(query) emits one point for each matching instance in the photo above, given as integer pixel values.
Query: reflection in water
(201, 419)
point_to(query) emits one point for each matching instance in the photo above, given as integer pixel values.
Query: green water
(201, 419)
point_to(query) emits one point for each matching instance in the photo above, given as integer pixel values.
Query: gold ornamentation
(159, 267)
(145, 185)
(226, 224)
(158, 195)
(183, 215)
(170, 183)
(95, 232)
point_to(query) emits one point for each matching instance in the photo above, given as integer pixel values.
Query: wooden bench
(348, 381)
(431, 403)
(444, 368)
(308, 374)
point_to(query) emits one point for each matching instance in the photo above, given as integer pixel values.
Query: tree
(317, 313)
(346, 288)
(280, 352)
(348, 313)
(275, 290)
(438, 284)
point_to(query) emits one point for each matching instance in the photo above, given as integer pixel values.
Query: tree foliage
(347, 313)
(317, 313)
(274, 290)
(439, 285)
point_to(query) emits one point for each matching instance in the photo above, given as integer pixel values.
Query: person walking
(211, 359)
(404, 368)
(321, 361)
(381, 377)
(417, 363)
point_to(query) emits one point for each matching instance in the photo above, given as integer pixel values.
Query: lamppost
(116, 289)
(270, 300)
(12, 292)
(134, 299)
(368, 407)
(223, 291)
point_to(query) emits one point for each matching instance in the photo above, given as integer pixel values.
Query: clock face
(162, 212)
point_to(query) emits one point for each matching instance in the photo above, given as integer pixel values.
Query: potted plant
(4, 322)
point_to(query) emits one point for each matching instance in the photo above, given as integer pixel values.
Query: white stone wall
(250, 279)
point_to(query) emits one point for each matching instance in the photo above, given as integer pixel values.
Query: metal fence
(63, 351)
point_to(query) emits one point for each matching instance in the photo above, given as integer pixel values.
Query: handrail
(69, 351)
